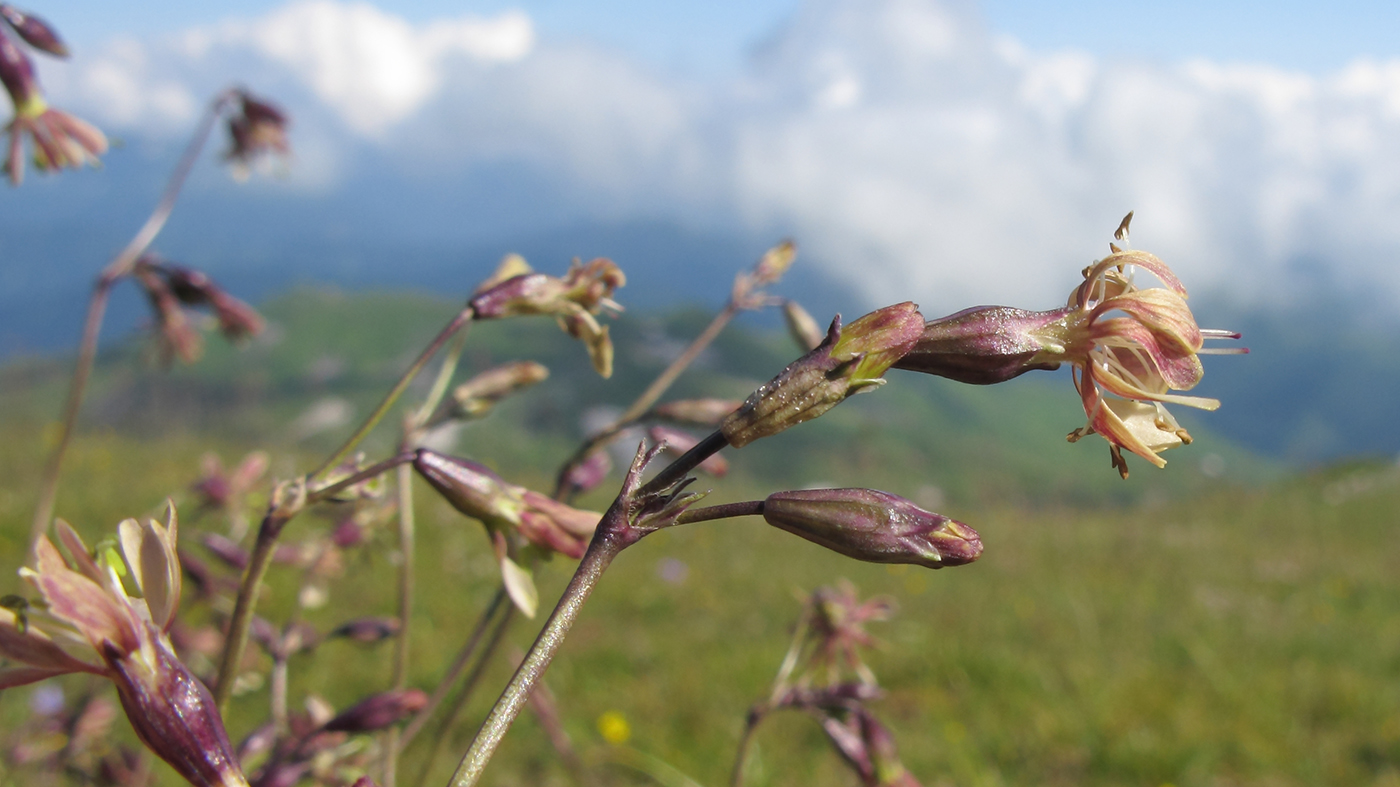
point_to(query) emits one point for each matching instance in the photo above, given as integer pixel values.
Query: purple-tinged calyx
(476, 491)
(984, 345)
(873, 526)
(86, 598)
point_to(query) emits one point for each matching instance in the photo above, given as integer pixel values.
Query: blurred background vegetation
(1226, 621)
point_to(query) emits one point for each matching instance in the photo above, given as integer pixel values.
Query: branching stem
(119, 267)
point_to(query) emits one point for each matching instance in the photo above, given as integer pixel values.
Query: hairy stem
(463, 318)
(115, 270)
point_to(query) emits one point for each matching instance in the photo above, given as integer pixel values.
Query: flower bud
(35, 31)
(803, 329)
(873, 526)
(471, 488)
(367, 630)
(746, 293)
(700, 412)
(481, 494)
(17, 74)
(476, 397)
(847, 362)
(379, 711)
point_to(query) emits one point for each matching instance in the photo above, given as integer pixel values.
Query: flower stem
(612, 538)
(115, 270)
(726, 511)
(463, 318)
(688, 461)
(237, 639)
(405, 489)
(411, 730)
(756, 715)
(468, 687)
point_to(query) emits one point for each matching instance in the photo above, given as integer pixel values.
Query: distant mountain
(1317, 385)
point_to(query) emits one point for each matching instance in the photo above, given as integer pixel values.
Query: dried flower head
(747, 292)
(255, 130)
(124, 638)
(177, 337)
(585, 291)
(59, 140)
(170, 288)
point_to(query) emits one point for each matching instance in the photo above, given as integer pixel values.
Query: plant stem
(688, 461)
(468, 687)
(463, 318)
(411, 730)
(614, 534)
(237, 639)
(278, 692)
(756, 715)
(115, 270)
(726, 511)
(405, 488)
(399, 460)
(648, 397)
(405, 482)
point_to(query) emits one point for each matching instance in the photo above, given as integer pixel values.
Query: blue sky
(712, 36)
(944, 150)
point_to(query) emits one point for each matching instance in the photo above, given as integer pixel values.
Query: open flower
(586, 290)
(123, 639)
(1131, 348)
(59, 139)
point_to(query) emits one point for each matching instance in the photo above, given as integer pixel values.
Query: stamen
(1216, 333)
(1223, 351)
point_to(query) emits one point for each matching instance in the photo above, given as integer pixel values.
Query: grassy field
(1236, 631)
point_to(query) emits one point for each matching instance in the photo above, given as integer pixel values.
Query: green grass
(1208, 633)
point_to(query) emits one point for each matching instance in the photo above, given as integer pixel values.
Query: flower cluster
(170, 288)
(257, 129)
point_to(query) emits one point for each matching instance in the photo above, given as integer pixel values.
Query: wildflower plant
(113, 611)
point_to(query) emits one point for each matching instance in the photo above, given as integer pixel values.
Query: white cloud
(921, 154)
